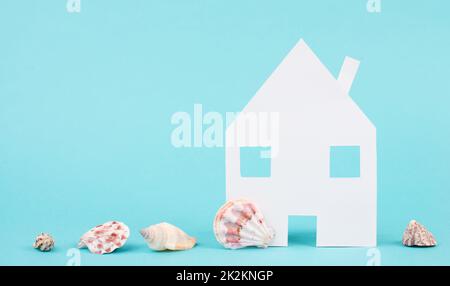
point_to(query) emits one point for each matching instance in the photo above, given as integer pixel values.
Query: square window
(255, 162)
(344, 162)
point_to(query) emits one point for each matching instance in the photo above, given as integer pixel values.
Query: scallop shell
(105, 238)
(240, 224)
(44, 242)
(164, 236)
(417, 235)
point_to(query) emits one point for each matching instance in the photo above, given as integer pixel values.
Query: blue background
(345, 162)
(254, 162)
(86, 101)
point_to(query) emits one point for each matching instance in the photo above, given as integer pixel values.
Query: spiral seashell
(417, 235)
(44, 242)
(164, 236)
(105, 238)
(240, 224)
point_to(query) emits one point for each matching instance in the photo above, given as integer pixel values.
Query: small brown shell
(417, 235)
(44, 242)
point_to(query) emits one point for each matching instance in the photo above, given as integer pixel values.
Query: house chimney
(348, 73)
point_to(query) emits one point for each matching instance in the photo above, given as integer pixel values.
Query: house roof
(301, 80)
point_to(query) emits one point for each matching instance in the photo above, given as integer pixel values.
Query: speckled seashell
(44, 242)
(240, 224)
(417, 235)
(164, 236)
(105, 238)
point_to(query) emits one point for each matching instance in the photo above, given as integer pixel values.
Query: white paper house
(315, 114)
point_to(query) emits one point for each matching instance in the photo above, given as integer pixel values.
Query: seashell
(417, 235)
(105, 238)
(44, 242)
(164, 236)
(240, 224)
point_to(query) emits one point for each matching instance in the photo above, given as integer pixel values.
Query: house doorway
(302, 230)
